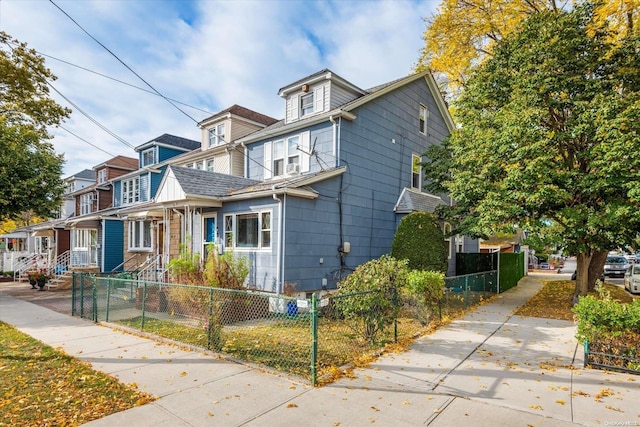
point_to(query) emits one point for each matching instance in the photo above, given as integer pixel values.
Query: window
(148, 157)
(102, 176)
(424, 116)
(210, 164)
(86, 203)
(131, 191)
(216, 135)
(306, 104)
(415, 171)
(198, 165)
(140, 235)
(248, 230)
(278, 158)
(289, 151)
(459, 243)
(189, 165)
(293, 154)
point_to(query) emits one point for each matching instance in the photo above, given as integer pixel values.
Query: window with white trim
(284, 152)
(423, 119)
(459, 244)
(210, 165)
(216, 135)
(198, 165)
(131, 190)
(248, 230)
(306, 104)
(415, 172)
(86, 203)
(102, 176)
(148, 157)
(140, 235)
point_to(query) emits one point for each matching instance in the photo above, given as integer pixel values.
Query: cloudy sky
(203, 55)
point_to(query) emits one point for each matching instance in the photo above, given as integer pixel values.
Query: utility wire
(84, 140)
(80, 110)
(122, 62)
(87, 115)
(120, 81)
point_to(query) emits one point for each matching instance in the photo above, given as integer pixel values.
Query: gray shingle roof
(412, 200)
(175, 141)
(196, 182)
(85, 174)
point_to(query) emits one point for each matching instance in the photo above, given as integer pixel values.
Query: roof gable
(412, 200)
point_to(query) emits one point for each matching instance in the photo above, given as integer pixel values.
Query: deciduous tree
(549, 134)
(30, 170)
(463, 33)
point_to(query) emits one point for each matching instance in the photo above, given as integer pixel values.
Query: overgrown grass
(41, 386)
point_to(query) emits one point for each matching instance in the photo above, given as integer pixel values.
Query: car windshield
(636, 269)
(616, 260)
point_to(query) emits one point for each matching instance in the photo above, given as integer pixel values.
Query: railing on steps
(32, 262)
(151, 270)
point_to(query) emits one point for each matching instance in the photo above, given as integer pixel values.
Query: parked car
(615, 266)
(631, 258)
(632, 279)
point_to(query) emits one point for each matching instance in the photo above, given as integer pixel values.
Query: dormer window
(148, 157)
(306, 104)
(102, 176)
(216, 135)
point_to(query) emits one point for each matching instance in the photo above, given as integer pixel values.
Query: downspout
(279, 268)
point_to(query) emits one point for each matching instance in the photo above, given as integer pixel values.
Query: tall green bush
(368, 297)
(420, 240)
(423, 293)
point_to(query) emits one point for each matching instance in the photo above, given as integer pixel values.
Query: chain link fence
(311, 338)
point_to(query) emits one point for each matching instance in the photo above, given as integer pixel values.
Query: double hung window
(131, 191)
(216, 135)
(140, 235)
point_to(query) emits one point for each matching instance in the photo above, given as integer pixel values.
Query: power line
(122, 62)
(121, 81)
(87, 115)
(80, 110)
(84, 140)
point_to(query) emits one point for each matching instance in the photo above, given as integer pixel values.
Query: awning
(42, 233)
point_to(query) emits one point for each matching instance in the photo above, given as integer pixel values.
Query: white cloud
(208, 54)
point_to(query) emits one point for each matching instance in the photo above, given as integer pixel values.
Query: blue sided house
(322, 190)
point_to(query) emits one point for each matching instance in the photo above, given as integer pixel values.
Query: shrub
(368, 297)
(427, 286)
(420, 240)
(605, 318)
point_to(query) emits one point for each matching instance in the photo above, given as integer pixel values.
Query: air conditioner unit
(293, 168)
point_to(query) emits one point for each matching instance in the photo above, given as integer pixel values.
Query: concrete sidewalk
(488, 368)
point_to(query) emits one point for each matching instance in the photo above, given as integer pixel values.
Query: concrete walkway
(488, 368)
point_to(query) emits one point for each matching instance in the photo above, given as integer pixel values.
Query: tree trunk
(582, 275)
(596, 266)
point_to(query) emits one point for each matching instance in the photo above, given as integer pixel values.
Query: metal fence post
(466, 291)
(81, 295)
(314, 339)
(94, 299)
(210, 320)
(108, 299)
(144, 303)
(73, 294)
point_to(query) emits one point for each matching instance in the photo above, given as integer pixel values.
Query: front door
(210, 234)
